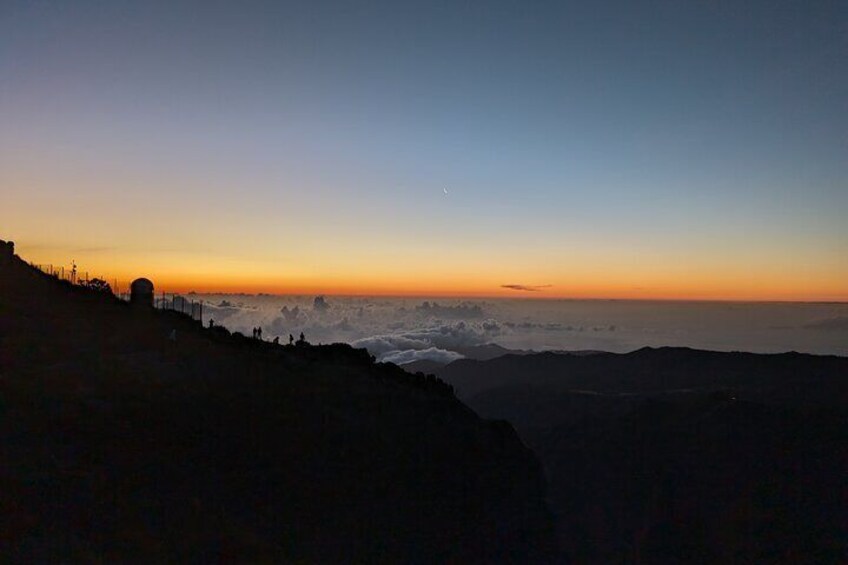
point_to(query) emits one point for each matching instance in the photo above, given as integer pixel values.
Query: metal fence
(161, 301)
(175, 302)
(72, 274)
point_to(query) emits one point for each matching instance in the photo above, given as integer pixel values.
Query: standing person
(291, 339)
(259, 332)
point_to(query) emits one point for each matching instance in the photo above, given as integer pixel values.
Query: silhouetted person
(254, 333)
(259, 332)
(291, 339)
(211, 323)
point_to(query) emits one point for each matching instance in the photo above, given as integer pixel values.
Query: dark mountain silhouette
(677, 455)
(133, 434)
(487, 351)
(648, 370)
(426, 366)
(478, 353)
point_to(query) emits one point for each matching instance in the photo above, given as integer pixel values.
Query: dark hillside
(676, 455)
(811, 378)
(117, 442)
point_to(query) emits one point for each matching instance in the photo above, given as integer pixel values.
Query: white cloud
(411, 355)
(380, 345)
(444, 337)
(397, 325)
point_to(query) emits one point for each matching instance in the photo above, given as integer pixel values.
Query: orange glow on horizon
(183, 274)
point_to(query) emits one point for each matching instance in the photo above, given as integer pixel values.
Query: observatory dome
(141, 292)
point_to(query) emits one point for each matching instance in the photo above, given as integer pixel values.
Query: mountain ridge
(680, 455)
(644, 369)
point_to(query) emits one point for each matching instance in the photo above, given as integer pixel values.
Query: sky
(606, 149)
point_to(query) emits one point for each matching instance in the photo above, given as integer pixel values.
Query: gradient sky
(658, 149)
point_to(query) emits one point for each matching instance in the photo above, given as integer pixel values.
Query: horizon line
(502, 297)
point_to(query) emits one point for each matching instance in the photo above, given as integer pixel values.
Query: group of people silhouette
(257, 334)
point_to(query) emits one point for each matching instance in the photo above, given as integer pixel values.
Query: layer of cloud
(391, 327)
(430, 354)
(464, 311)
(319, 304)
(558, 327)
(293, 315)
(445, 337)
(526, 287)
(836, 324)
(225, 310)
(383, 344)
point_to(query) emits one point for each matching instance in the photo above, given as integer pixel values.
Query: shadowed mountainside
(812, 378)
(117, 442)
(677, 455)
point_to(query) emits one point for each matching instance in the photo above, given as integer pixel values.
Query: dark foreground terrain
(681, 456)
(117, 443)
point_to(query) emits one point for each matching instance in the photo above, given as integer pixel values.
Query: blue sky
(697, 129)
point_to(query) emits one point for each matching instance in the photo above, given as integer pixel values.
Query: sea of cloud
(403, 330)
